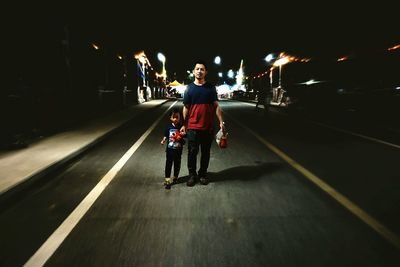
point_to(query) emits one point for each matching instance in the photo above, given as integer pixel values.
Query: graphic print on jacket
(174, 139)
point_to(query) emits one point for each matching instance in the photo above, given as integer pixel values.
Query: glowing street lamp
(230, 74)
(277, 92)
(269, 58)
(217, 60)
(162, 58)
(103, 53)
(282, 60)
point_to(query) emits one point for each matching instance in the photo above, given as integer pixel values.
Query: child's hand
(163, 141)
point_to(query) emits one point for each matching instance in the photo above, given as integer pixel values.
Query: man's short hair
(202, 62)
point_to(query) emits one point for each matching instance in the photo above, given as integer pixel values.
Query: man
(200, 103)
(260, 98)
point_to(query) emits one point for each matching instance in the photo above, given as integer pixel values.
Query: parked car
(238, 94)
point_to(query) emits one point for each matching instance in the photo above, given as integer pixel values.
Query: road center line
(345, 202)
(54, 241)
(346, 131)
(356, 134)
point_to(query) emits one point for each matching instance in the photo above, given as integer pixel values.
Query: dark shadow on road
(245, 173)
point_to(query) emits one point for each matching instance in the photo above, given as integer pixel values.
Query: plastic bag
(222, 139)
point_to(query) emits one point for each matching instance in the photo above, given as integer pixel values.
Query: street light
(231, 74)
(217, 62)
(162, 58)
(269, 57)
(280, 62)
(163, 74)
(277, 93)
(104, 55)
(125, 79)
(190, 76)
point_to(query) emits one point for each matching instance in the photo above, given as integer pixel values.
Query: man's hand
(183, 130)
(222, 126)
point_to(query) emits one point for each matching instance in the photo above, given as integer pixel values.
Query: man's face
(199, 71)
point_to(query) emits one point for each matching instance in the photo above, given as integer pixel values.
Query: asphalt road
(287, 191)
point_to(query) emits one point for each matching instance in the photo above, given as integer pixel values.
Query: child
(174, 147)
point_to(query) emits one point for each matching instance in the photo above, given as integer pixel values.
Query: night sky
(186, 31)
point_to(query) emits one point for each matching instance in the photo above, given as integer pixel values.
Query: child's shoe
(167, 183)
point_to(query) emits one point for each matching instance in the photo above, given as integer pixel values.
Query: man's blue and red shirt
(201, 102)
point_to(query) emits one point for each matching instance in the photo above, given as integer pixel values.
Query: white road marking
(373, 139)
(54, 241)
(356, 134)
(345, 202)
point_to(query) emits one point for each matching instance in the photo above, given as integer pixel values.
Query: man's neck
(199, 82)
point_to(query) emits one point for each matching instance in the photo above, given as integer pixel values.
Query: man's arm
(218, 112)
(185, 113)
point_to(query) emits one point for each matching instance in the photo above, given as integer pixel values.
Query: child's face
(175, 118)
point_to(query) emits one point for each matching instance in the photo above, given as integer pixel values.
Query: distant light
(282, 61)
(231, 74)
(343, 58)
(223, 89)
(141, 56)
(220, 74)
(161, 57)
(310, 82)
(394, 47)
(217, 60)
(269, 57)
